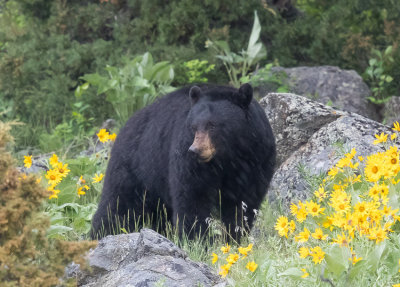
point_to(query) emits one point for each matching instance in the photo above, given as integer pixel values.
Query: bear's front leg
(193, 197)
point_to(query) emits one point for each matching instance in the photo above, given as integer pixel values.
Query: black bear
(192, 152)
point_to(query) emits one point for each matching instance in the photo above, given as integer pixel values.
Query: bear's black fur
(192, 152)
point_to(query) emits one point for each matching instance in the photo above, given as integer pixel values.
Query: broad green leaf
(358, 268)
(375, 257)
(292, 272)
(85, 86)
(57, 229)
(93, 79)
(337, 259)
(372, 62)
(223, 45)
(388, 50)
(255, 32)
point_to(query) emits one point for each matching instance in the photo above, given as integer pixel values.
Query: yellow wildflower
(225, 249)
(304, 252)
(81, 190)
(387, 211)
(378, 234)
(374, 192)
(232, 258)
(300, 212)
(27, 161)
(103, 135)
(225, 270)
(282, 226)
(63, 169)
(320, 194)
(53, 176)
(319, 235)
(245, 250)
(354, 259)
(393, 136)
(314, 208)
(112, 137)
(333, 172)
(53, 160)
(380, 138)
(383, 190)
(374, 168)
(361, 208)
(98, 178)
(252, 266)
(55, 192)
(305, 273)
(292, 226)
(341, 240)
(214, 258)
(396, 126)
(340, 201)
(303, 236)
(317, 254)
(81, 180)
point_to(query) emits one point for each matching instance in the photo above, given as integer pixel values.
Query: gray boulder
(392, 111)
(342, 89)
(306, 134)
(142, 259)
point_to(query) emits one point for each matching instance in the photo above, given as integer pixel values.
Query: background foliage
(46, 46)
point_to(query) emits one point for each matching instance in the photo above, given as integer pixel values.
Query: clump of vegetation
(346, 234)
(350, 225)
(27, 256)
(133, 86)
(239, 65)
(377, 76)
(73, 187)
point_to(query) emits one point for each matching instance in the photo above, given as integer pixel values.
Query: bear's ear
(245, 95)
(194, 94)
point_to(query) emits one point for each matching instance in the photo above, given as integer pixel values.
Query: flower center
(52, 177)
(375, 169)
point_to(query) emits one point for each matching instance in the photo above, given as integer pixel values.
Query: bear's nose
(194, 149)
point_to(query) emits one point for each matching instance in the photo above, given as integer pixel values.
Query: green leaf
(93, 79)
(85, 86)
(388, 50)
(255, 32)
(372, 62)
(56, 229)
(376, 255)
(223, 45)
(292, 272)
(337, 259)
(359, 268)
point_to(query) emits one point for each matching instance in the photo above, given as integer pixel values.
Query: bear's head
(217, 119)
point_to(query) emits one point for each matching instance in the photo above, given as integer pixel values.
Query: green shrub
(134, 86)
(27, 256)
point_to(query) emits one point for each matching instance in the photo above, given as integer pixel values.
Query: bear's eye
(210, 126)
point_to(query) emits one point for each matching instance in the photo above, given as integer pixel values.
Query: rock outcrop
(142, 259)
(307, 134)
(342, 89)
